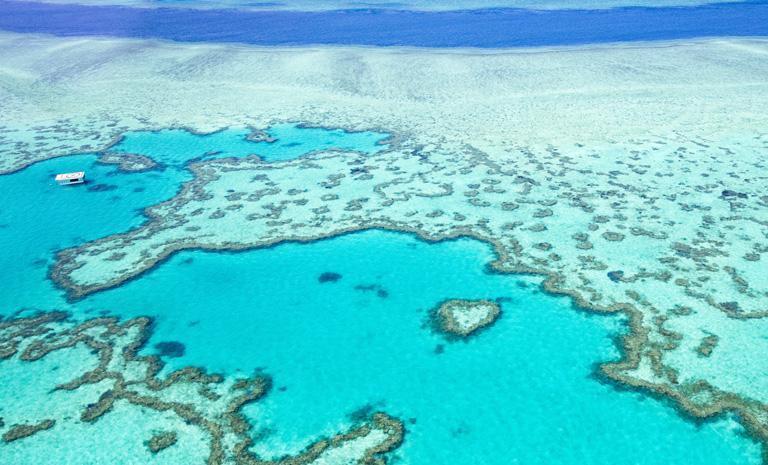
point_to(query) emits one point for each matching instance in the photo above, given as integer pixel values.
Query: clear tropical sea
(427, 5)
(176, 147)
(522, 391)
(114, 200)
(486, 28)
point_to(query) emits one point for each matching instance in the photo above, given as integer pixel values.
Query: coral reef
(162, 441)
(208, 402)
(664, 265)
(17, 432)
(170, 348)
(128, 161)
(329, 277)
(463, 318)
(632, 192)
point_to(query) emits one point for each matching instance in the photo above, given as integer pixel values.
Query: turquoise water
(39, 217)
(287, 141)
(517, 393)
(520, 392)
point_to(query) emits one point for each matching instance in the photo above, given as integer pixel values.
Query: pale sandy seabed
(632, 176)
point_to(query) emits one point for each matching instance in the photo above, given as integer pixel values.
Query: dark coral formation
(172, 349)
(95, 410)
(377, 288)
(707, 345)
(162, 441)
(328, 277)
(102, 187)
(17, 432)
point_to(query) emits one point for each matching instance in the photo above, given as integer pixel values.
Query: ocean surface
(523, 391)
(485, 28)
(429, 5)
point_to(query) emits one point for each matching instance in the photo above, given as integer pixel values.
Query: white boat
(65, 179)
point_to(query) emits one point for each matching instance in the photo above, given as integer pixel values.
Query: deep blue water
(470, 28)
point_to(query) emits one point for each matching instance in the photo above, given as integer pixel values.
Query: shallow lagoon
(279, 142)
(520, 392)
(38, 217)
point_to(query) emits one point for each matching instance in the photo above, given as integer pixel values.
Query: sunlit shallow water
(520, 392)
(38, 217)
(280, 142)
(516, 393)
